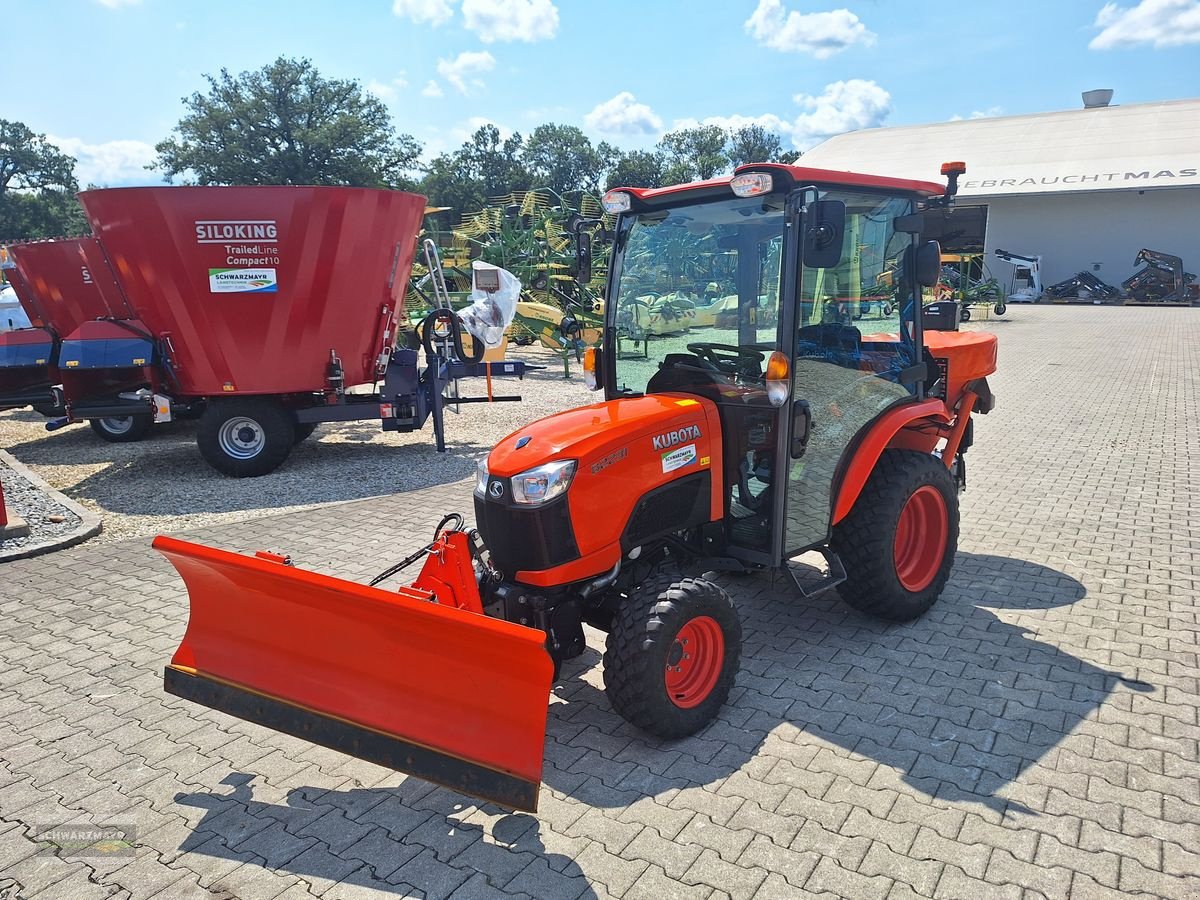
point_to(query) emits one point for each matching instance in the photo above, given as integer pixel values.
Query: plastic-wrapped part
(491, 311)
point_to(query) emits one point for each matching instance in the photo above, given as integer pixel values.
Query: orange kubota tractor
(738, 447)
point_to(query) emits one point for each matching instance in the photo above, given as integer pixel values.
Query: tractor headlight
(481, 478)
(544, 483)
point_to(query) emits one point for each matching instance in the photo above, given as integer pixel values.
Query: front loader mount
(429, 688)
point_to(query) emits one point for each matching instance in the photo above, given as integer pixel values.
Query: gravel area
(46, 517)
(161, 484)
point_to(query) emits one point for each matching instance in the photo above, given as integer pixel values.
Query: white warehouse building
(1085, 189)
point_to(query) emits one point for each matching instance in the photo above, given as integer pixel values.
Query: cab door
(852, 335)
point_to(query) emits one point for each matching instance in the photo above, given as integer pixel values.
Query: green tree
(483, 167)
(751, 144)
(494, 162)
(694, 153)
(562, 158)
(638, 168)
(286, 124)
(37, 184)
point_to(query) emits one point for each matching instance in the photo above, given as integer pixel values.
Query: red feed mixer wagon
(64, 286)
(255, 309)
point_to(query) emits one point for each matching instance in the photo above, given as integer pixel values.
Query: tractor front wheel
(672, 656)
(898, 542)
(245, 437)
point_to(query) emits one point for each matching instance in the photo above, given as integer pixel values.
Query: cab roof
(798, 175)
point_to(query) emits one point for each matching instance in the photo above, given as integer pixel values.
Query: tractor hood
(644, 466)
(643, 426)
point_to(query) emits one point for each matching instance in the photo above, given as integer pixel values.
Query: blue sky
(105, 78)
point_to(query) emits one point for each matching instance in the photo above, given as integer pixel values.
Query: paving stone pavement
(1035, 735)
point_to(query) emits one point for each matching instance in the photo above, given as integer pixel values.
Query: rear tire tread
(865, 539)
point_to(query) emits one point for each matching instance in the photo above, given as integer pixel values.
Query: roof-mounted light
(954, 168)
(751, 184)
(615, 202)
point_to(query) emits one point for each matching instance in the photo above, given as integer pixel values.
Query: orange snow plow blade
(451, 696)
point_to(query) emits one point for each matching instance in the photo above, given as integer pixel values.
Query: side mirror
(929, 263)
(825, 226)
(583, 255)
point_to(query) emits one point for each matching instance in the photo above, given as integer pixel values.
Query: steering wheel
(730, 359)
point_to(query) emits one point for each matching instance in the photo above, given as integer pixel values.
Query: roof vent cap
(1096, 99)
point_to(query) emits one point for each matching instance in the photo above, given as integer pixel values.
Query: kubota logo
(671, 438)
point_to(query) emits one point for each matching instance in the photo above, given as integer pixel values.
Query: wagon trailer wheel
(898, 542)
(245, 437)
(672, 655)
(122, 429)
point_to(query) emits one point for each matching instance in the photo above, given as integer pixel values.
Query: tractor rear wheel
(672, 655)
(122, 429)
(899, 540)
(245, 437)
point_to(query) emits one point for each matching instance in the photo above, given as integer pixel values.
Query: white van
(12, 316)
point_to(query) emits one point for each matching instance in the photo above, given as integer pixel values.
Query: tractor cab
(818, 333)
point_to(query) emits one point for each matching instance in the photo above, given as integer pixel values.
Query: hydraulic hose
(449, 317)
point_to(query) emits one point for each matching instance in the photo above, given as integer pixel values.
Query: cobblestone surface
(1034, 735)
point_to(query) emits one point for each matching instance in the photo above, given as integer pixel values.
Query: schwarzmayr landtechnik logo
(242, 281)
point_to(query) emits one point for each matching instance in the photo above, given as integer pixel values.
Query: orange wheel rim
(921, 533)
(694, 662)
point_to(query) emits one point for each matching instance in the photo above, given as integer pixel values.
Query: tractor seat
(683, 371)
(839, 344)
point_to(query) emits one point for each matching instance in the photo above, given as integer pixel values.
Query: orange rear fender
(894, 428)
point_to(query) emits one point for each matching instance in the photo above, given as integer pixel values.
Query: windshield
(705, 275)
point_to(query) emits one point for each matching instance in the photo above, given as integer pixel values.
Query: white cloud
(117, 4)
(769, 121)
(1160, 23)
(623, 115)
(511, 20)
(842, 106)
(989, 113)
(387, 90)
(432, 89)
(435, 12)
(821, 34)
(466, 66)
(110, 163)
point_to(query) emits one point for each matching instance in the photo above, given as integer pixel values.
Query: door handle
(801, 427)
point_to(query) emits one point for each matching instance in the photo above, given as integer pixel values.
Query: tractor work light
(751, 184)
(954, 168)
(590, 376)
(615, 202)
(543, 484)
(481, 478)
(778, 378)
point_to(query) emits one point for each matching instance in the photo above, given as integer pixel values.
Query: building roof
(1141, 146)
